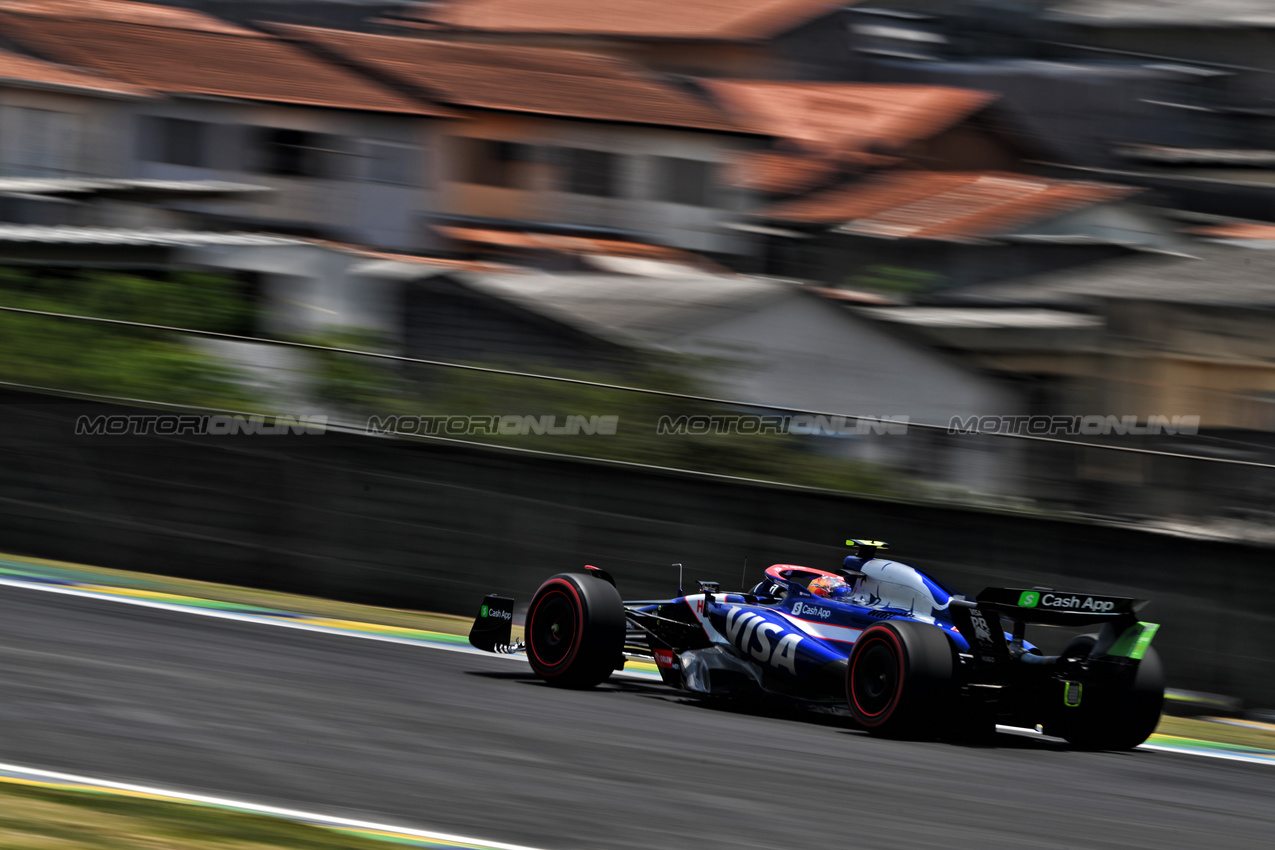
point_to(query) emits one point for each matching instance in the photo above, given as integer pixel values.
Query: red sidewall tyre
(554, 595)
(575, 630)
(878, 650)
(900, 679)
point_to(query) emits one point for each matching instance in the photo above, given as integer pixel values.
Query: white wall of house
(639, 205)
(51, 133)
(364, 177)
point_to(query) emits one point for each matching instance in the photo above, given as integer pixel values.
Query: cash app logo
(484, 612)
(1028, 599)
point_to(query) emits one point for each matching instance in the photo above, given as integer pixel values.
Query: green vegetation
(159, 366)
(115, 360)
(895, 279)
(1222, 733)
(35, 818)
(365, 387)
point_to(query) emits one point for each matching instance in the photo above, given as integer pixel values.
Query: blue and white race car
(879, 639)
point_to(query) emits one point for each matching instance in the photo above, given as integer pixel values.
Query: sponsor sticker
(665, 658)
(799, 608)
(1029, 599)
(752, 634)
(484, 611)
(981, 630)
(1089, 603)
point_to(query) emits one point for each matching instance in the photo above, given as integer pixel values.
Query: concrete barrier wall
(437, 526)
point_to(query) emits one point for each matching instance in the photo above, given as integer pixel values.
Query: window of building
(590, 172)
(389, 162)
(684, 181)
(44, 142)
(489, 162)
(175, 141)
(300, 153)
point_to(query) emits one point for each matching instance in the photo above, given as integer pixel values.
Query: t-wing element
(866, 550)
(494, 625)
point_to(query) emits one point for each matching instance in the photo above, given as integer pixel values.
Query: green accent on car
(1072, 692)
(1028, 599)
(1134, 641)
(484, 611)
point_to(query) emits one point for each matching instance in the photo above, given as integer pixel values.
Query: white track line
(263, 620)
(1186, 751)
(1164, 748)
(292, 814)
(266, 620)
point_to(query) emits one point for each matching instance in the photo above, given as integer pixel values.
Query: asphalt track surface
(476, 746)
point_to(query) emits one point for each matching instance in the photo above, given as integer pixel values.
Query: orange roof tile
(730, 20)
(519, 79)
(835, 117)
(182, 60)
(1238, 230)
(16, 69)
(785, 173)
(442, 262)
(573, 244)
(123, 11)
(951, 206)
(854, 296)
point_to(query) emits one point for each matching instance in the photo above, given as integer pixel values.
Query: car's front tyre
(575, 630)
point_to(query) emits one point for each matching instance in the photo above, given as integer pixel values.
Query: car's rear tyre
(1112, 718)
(900, 680)
(575, 630)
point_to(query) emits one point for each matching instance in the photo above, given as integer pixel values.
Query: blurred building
(778, 39)
(822, 134)
(179, 96)
(553, 137)
(916, 232)
(1173, 96)
(1191, 334)
(990, 169)
(745, 338)
(934, 183)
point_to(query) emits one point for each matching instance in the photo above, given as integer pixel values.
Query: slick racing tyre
(575, 630)
(899, 681)
(1109, 718)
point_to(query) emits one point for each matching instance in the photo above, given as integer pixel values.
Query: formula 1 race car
(904, 655)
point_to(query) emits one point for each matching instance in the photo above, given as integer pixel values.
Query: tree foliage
(115, 360)
(365, 387)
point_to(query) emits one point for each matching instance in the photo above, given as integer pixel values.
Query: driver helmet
(831, 587)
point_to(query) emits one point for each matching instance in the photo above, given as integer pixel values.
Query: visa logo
(751, 634)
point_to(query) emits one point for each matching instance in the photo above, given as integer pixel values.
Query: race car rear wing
(1057, 608)
(1121, 635)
